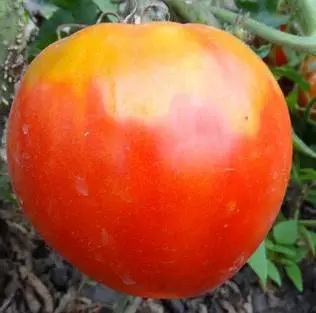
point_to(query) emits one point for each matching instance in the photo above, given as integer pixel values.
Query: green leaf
(258, 263)
(285, 232)
(308, 223)
(307, 174)
(106, 5)
(65, 4)
(287, 251)
(47, 33)
(311, 196)
(263, 51)
(264, 11)
(307, 237)
(295, 275)
(273, 273)
(301, 146)
(83, 11)
(300, 254)
(295, 176)
(251, 6)
(313, 237)
(291, 74)
(269, 5)
(285, 261)
(4, 187)
(292, 99)
(258, 6)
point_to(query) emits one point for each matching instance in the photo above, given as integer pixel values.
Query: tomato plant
(277, 55)
(145, 154)
(308, 70)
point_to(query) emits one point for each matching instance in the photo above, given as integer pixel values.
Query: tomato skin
(308, 70)
(146, 155)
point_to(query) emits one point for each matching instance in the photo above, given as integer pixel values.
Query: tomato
(277, 56)
(308, 71)
(153, 157)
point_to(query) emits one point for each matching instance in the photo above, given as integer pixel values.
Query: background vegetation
(27, 28)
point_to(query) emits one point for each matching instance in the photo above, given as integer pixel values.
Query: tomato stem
(196, 12)
(305, 15)
(310, 223)
(275, 36)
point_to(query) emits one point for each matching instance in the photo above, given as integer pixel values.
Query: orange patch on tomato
(141, 81)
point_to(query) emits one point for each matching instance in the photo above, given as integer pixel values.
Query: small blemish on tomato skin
(231, 206)
(16, 159)
(25, 129)
(237, 264)
(229, 169)
(127, 280)
(81, 186)
(104, 236)
(25, 156)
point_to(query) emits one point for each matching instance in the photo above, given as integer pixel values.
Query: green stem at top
(198, 12)
(305, 15)
(192, 10)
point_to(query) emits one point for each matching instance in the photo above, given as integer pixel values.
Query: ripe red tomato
(277, 56)
(153, 157)
(308, 70)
